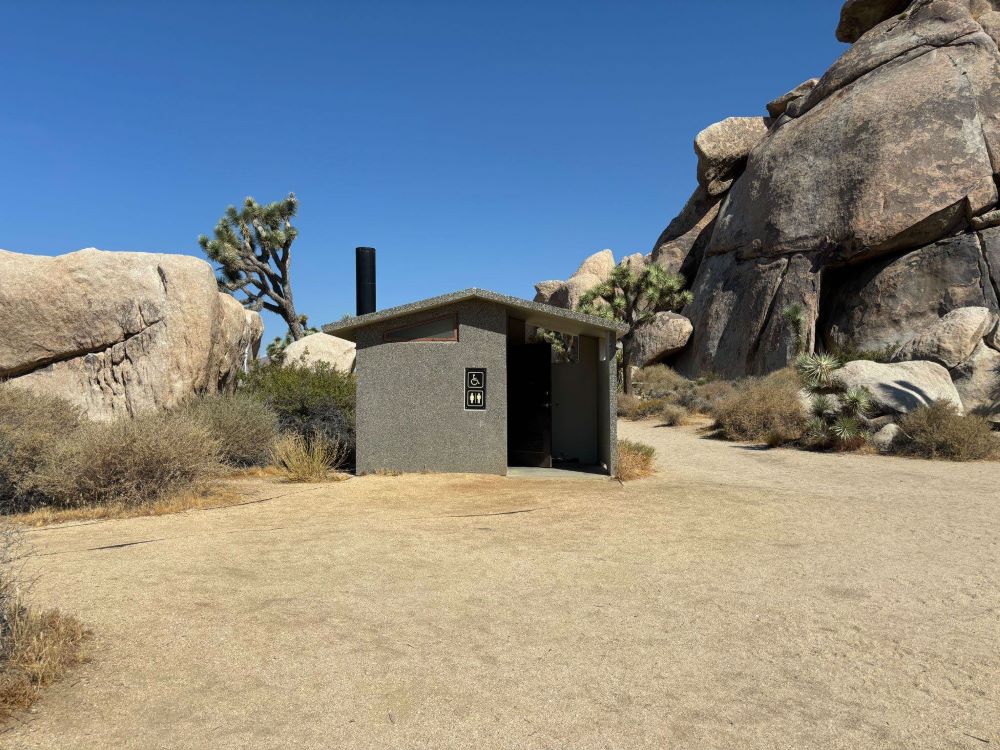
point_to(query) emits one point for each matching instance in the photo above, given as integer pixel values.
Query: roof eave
(568, 318)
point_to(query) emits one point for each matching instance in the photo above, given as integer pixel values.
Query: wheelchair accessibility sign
(475, 388)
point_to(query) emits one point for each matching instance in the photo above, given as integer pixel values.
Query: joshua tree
(633, 298)
(253, 249)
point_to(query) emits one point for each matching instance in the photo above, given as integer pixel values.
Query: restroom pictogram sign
(475, 388)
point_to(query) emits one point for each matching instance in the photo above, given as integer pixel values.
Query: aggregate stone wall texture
(411, 412)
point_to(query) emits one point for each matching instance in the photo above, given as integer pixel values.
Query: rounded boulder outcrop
(322, 348)
(120, 333)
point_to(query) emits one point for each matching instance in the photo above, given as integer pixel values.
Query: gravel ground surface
(740, 599)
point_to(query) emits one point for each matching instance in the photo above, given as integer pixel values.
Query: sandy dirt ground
(740, 599)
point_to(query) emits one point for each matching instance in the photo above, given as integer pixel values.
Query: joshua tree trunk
(627, 364)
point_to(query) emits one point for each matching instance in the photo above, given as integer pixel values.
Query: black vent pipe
(365, 257)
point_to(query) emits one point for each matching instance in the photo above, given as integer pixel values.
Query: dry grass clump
(244, 427)
(938, 431)
(635, 460)
(128, 462)
(767, 409)
(29, 424)
(204, 498)
(314, 460)
(659, 381)
(36, 647)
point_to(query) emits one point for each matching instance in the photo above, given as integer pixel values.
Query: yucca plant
(838, 413)
(817, 369)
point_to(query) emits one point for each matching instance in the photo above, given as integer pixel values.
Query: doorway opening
(552, 400)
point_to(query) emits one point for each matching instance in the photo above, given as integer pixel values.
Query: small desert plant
(767, 409)
(29, 424)
(244, 426)
(36, 647)
(307, 399)
(939, 431)
(672, 415)
(817, 369)
(308, 460)
(129, 462)
(795, 317)
(635, 460)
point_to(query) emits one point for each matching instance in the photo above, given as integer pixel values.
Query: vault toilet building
(454, 384)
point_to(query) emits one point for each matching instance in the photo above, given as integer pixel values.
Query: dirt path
(740, 599)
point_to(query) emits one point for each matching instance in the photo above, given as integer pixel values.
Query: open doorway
(529, 404)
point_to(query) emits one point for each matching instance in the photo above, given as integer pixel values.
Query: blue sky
(472, 143)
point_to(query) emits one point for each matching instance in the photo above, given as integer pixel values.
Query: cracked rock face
(120, 333)
(867, 202)
(870, 204)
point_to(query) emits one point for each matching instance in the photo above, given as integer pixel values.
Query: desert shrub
(701, 397)
(661, 383)
(673, 415)
(939, 431)
(128, 461)
(308, 460)
(29, 425)
(635, 460)
(635, 408)
(767, 409)
(36, 647)
(839, 414)
(244, 426)
(308, 399)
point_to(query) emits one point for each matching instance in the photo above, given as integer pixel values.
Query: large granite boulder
(722, 150)
(595, 270)
(858, 16)
(901, 387)
(120, 333)
(664, 335)
(977, 381)
(867, 205)
(777, 107)
(681, 246)
(952, 339)
(737, 313)
(892, 149)
(887, 302)
(862, 212)
(322, 348)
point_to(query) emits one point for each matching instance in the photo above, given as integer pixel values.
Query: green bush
(308, 399)
(245, 427)
(939, 431)
(128, 462)
(767, 409)
(29, 425)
